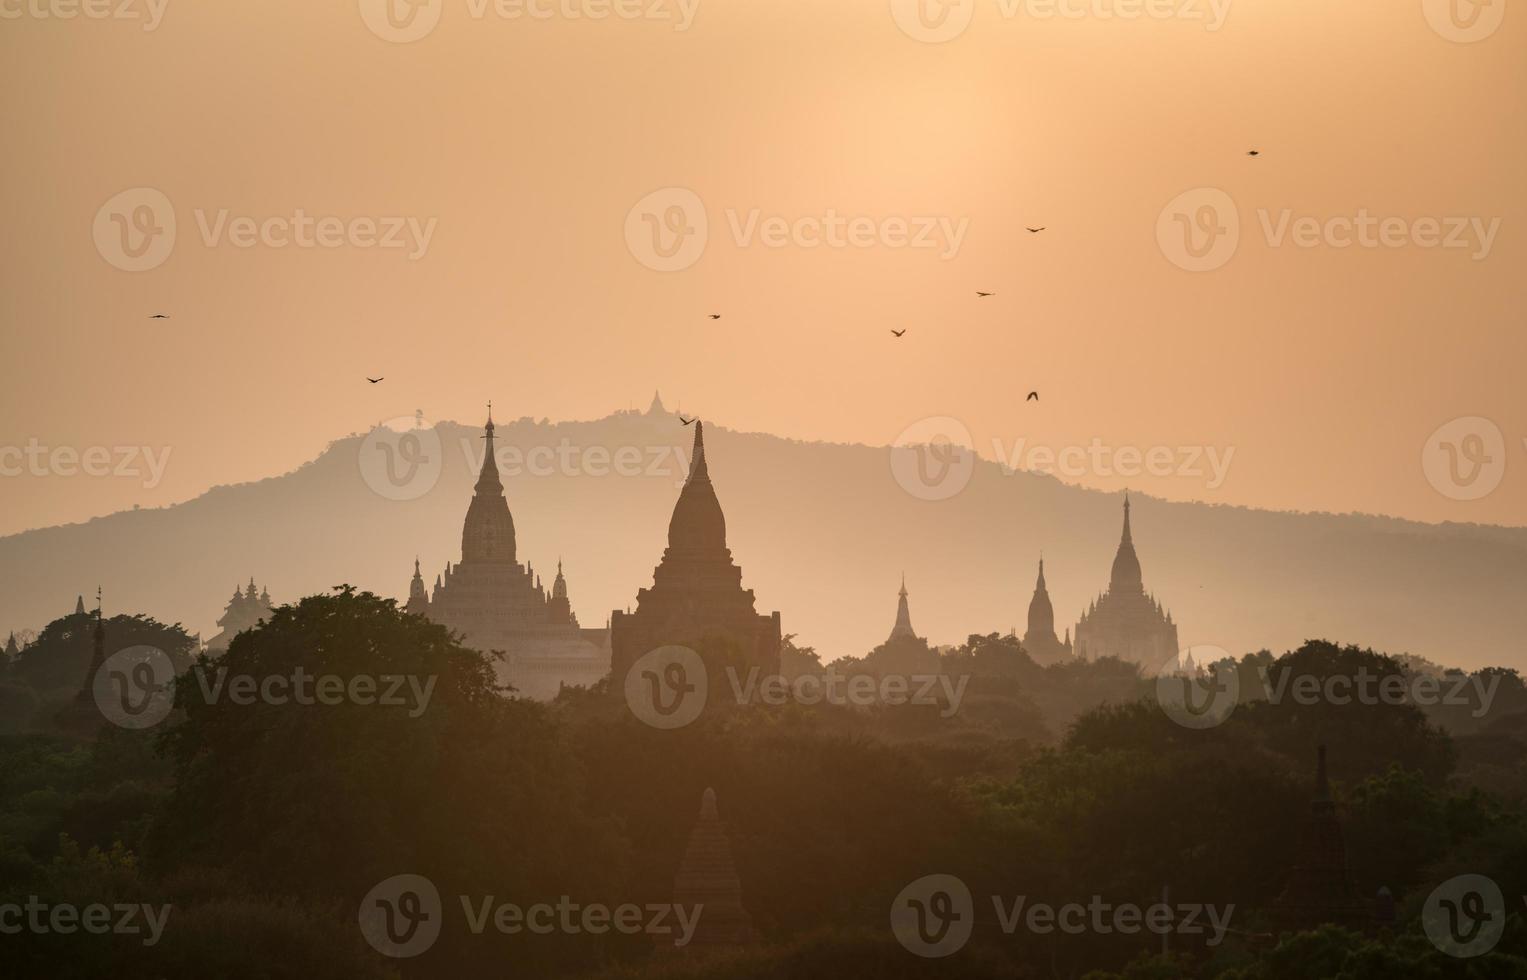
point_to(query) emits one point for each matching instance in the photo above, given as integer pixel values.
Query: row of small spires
(558, 585)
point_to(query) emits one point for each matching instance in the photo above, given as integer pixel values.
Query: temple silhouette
(1126, 621)
(903, 652)
(708, 878)
(697, 599)
(244, 612)
(1039, 640)
(498, 604)
(1319, 888)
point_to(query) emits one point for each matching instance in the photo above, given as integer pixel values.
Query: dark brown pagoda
(697, 594)
(82, 716)
(708, 878)
(1319, 889)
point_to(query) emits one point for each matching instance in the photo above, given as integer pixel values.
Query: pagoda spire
(903, 627)
(1126, 577)
(79, 605)
(708, 879)
(488, 532)
(488, 480)
(697, 468)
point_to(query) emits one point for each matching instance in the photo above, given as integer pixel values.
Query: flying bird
(898, 332)
(686, 421)
(715, 316)
(159, 316)
(376, 380)
(1033, 396)
(1253, 153)
(984, 295)
(1035, 231)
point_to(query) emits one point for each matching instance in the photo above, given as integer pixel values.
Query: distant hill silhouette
(822, 532)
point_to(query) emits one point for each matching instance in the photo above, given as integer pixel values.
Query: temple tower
(903, 628)
(708, 877)
(1126, 621)
(1040, 641)
(697, 592)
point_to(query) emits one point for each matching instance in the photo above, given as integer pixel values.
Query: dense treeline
(264, 824)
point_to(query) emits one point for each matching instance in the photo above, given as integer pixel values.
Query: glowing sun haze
(522, 145)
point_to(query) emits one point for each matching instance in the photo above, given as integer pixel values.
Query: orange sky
(524, 143)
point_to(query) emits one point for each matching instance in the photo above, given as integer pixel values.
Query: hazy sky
(520, 146)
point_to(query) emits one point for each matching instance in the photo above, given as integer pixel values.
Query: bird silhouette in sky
(1033, 396)
(898, 332)
(686, 421)
(715, 316)
(984, 295)
(1253, 153)
(1035, 231)
(376, 380)
(160, 316)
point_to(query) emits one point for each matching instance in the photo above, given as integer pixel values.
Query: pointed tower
(82, 716)
(418, 599)
(1126, 622)
(487, 535)
(79, 605)
(1039, 640)
(708, 878)
(903, 628)
(496, 603)
(1319, 889)
(656, 408)
(1126, 578)
(697, 592)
